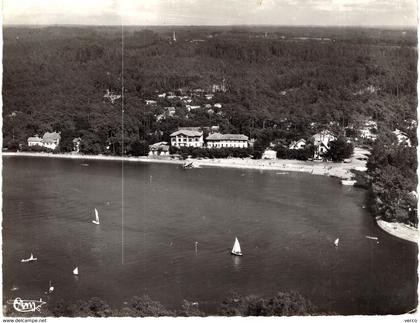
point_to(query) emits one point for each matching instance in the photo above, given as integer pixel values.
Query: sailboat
(236, 250)
(30, 259)
(96, 221)
(76, 271)
(336, 242)
(51, 289)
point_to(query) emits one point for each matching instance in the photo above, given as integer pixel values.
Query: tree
(190, 309)
(139, 148)
(282, 304)
(91, 143)
(144, 306)
(66, 140)
(339, 150)
(93, 307)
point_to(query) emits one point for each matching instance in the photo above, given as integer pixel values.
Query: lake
(145, 244)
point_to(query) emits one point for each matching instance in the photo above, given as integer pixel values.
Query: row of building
(193, 137)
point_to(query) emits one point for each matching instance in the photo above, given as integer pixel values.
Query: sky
(212, 12)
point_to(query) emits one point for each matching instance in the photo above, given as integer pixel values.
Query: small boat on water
(189, 164)
(76, 271)
(348, 182)
(30, 259)
(236, 250)
(336, 241)
(51, 289)
(372, 238)
(84, 165)
(14, 288)
(96, 221)
(282, 173)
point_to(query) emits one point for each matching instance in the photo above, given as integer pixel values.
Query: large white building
(321, 142)
(187, 138)
(218, 140)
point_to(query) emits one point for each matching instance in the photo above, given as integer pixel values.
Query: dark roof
(228, 136)
(189, 133)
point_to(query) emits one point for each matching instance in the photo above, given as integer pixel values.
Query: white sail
(336, 242)
(96, 221)
(76, 271)
(31, 258)
(236, 247)
(51, 289)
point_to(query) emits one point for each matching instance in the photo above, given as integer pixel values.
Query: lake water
(286, 225)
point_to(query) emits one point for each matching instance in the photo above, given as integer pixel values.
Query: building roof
(34, 139)
(228, 136)
(323, 137)
(159, 144)
(159, 147)
(51, 137)
(295, 143)
(186, 132)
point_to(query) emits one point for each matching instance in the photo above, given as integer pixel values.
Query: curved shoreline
(340, 170)
(399, 230)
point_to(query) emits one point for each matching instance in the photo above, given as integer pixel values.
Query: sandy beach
(340, 170)
(400, 230)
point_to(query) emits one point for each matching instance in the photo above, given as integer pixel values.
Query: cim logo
(22, 305)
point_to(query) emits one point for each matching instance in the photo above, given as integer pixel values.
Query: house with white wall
(49, 140)
(187, 137)
(218, 140)
(321, 141)
(300, 144)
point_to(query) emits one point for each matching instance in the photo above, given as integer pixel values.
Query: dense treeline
(55, 79)
(282, 304)
(394, 180)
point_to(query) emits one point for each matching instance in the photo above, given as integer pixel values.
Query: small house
(269, 154)
(159, 149)
(35, 141)
(151, 102)
(321, 141)
(300, 144)
(51, 140)
(192, 107)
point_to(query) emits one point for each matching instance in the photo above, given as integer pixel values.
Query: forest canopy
(278, 79)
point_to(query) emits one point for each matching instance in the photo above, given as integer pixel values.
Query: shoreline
(339, 170)
(399, 230)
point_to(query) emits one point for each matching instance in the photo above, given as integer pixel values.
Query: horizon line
(227, 25)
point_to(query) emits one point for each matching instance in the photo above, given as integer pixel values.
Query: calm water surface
(286, 225)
